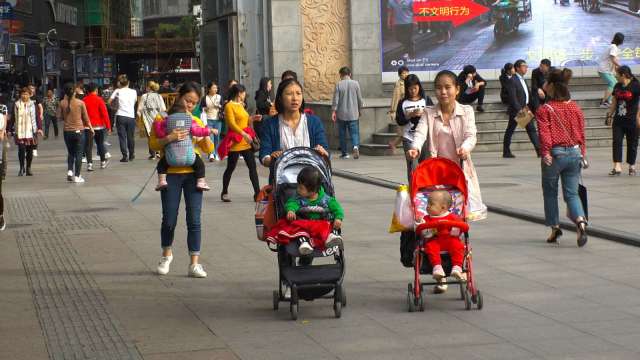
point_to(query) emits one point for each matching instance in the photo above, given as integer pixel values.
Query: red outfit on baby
(444, 231)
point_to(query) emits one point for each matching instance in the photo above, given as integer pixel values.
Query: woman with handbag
(149, 106)
(563, 149)
(238, 120)
(624, 118)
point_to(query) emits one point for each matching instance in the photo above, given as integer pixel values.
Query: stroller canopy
(438, 171)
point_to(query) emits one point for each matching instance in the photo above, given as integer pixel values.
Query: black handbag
(255, 144)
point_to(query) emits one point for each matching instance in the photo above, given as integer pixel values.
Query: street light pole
(74, 44)
(43, 43)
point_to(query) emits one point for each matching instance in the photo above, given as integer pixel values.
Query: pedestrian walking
(607, 65)
(624, 118)
(292, 127)
(149, 106)
(101, 124)
(346, 106)
(4, 113)
(264, 103)
(51, 103)
(74, 114)
(472, 87)
(182, 180)
(563, 148)
(398, 95)
(25, 125)
(507, 72)
(238, 120)
(212, 106)
(409, 113)
(125, 98)
(519, 100)
(39, 111)
(449, 130)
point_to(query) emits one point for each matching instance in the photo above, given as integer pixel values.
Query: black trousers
(619, 133)
(232, 161)
(74, 141)
(98, 137)
(511, 127)
(198, 167)
(25, 152)
(470, 98)
(126, 135)
(50, 120)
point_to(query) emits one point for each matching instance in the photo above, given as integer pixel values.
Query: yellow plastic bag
(402, 219)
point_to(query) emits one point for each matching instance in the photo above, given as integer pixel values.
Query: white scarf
(25, 122)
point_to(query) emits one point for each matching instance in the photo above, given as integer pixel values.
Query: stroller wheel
(467, 300)
(421, 303)
(276, 300)
(344, 296)
(411, 306)
(293, 308)
(337, 309)
(462, 285)
(480, 303)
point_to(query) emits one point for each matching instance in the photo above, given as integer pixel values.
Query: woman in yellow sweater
(181, 180)
(238, 122)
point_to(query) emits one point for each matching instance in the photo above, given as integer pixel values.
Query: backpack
(180, 153)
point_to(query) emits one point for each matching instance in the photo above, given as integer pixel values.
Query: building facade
(157, 12)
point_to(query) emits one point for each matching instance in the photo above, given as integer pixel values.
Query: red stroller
(439, 174)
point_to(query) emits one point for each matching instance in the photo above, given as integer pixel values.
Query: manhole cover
(497, 185)
(489, 165)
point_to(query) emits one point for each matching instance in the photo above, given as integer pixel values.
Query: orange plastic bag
(265, 216)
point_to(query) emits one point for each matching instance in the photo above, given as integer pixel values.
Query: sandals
(581, 229)
(615, 172)
(556, 233)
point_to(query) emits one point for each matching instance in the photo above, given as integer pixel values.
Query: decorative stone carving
(326, 45)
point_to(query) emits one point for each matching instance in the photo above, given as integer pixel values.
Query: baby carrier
(180, 153)
(306, 280)
(431, 175)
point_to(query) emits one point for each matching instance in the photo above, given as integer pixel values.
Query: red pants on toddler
(284, 231)
(450, 244)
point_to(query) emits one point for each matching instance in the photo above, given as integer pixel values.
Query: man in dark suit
(519, 99)
(538, 78)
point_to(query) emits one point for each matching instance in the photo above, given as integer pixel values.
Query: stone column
(365, 46)
(286, 38)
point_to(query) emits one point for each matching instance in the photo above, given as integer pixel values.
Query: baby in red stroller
(441, 230)
(309, 216)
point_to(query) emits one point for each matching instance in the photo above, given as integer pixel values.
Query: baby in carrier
(181, 153)
(314, 232)
(441, 230)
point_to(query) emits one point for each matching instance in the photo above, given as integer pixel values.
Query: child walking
(311, 200)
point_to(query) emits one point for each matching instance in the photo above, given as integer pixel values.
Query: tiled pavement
(541, 302)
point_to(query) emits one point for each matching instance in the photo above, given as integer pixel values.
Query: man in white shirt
(125, 117)
(519, 99)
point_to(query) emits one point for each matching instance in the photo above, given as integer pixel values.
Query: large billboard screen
(432, 35)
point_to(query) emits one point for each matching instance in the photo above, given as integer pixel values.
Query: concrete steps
(492, 123)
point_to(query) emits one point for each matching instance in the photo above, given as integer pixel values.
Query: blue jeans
(566, 166)
(171, 196)
(215, 124)
(354, 131)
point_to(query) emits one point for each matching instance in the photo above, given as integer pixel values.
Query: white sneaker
(438, 272)
(441, 288)
(78, 179)
(287, 291)
(107, 155)
(35, 153)
(305, 248)
(3, 223)
(106, 143)
(164, 264)
(90, 167)
(70, 175)
(456, 272)
(197, 271)
(332, 240)
(84, 160)
(103, 164)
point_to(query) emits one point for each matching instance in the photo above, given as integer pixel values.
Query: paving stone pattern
(71, 308)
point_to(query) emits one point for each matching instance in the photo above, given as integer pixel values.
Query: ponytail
(70, 92)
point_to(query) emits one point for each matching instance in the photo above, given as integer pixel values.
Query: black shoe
(556, 233)
(480, 108)
(124, 159)
(131, 157)
(21, 172)
(581, 229)
(29, 173)
(225, 198)
(508, 155)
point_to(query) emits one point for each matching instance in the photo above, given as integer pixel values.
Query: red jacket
(97, 111)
